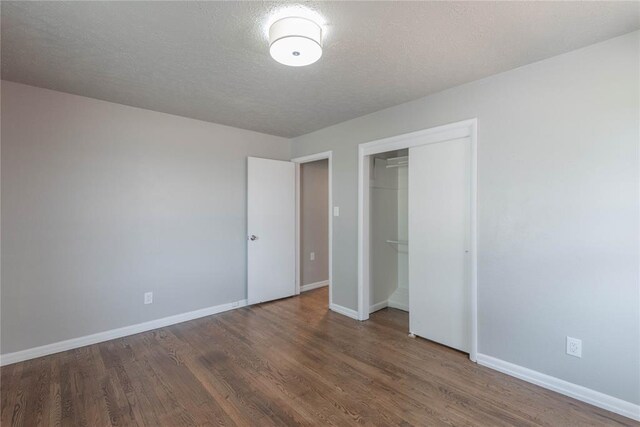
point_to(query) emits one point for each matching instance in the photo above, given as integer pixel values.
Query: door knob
(253, 237)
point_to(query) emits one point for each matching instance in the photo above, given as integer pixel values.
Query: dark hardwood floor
(288, 362)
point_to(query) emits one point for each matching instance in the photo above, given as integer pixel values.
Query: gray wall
(102, 202)
(314, 221)
(558, 208)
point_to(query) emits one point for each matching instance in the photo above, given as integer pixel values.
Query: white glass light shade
(295, 41)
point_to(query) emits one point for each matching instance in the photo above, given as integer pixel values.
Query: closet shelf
(397, 162)
(397, 165)
(398, 242)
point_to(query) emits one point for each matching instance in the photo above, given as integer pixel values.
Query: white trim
(397, 305)
(463, 129)
(306, 159)
(363, 235)
(578, 392)
(316, 285)
(446, 132)
(45, 350)
(473, 125)
(378, 306)
(313, 157)
(399, 299)
(344, 311)
(298, 260)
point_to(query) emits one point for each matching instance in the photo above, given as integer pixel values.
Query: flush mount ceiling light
(295, 41)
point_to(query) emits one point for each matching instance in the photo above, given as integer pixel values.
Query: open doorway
(389, 241)
(313, 223)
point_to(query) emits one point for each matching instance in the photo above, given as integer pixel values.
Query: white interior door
(271, 229)
(439, 239)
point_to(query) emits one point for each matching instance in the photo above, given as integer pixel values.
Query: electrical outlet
(336, 211)
(148, 297)
(574, 347)
(312, 256)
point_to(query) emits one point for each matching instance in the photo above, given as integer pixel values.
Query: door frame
(299, 161)
(457, 130)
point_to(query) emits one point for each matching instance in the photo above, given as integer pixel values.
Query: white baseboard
(378, 306)
(400, 299)
(32, 353)
(578, 392)
(344, 311)
(399, 306)
(316, 285)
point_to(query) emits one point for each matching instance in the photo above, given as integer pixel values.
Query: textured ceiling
(210, 60)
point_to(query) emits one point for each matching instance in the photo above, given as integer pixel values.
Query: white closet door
(439, 236)
(271, 224)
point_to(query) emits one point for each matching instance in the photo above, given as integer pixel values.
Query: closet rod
(398, 242)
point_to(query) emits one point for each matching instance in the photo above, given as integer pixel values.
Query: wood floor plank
(288, 362)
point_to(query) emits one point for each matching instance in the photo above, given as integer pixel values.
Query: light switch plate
(336, 211)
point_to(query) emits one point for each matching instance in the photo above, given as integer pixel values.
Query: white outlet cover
(312, 256)
(574, 347)
(336, 211)
(148, 297)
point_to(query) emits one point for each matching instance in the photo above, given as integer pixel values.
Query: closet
(419, 238)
